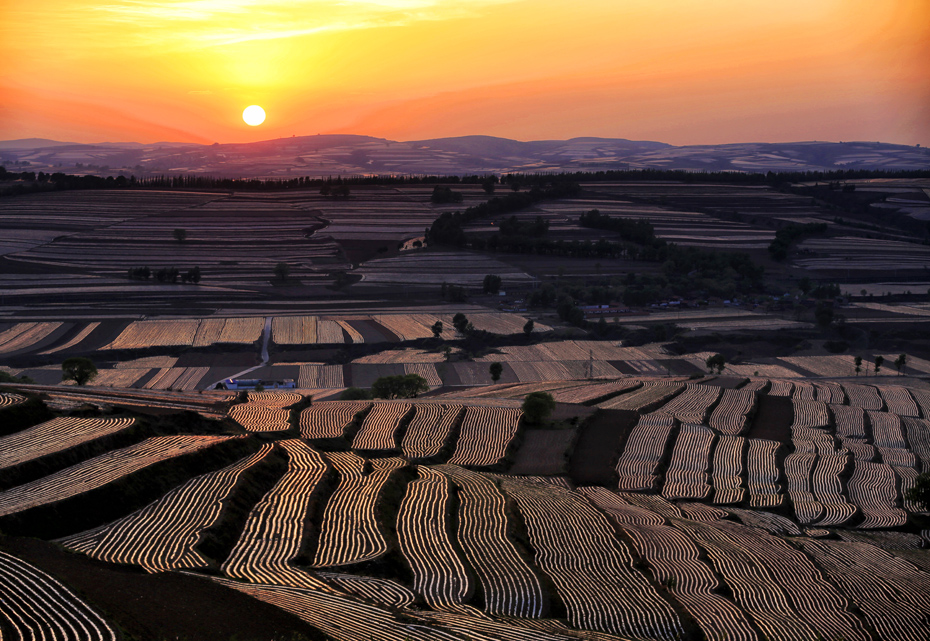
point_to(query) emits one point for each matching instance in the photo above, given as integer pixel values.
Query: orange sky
(676, 71)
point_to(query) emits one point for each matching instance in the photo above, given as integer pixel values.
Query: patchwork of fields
(772, 508)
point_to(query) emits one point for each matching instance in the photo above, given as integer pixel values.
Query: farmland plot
(163, 535)
(918, 435)
(313, 376)
(692, 405)
(430, 429)
(24, 335)
(888, 437)
(775, 584)
(592, 570)
(350, 532)
(9, 399)
(384, 592)
(891, 593)
(509, 584)
(644, 450)
(651, 395)
(872, 487)
(732, 413)
(274, 529)
(762, 473)
(56, 435)
(675, 562)
(829, 393)
(329, 419)
(77, 338)
(864, 396)
(294, 330)
(584, 393)
(727, 468)
(155, 333)
(687, 473)
(438, 572)
(259, 417)
(380, 425)
(898, 400)
(99, 471)
(36, 606)
(485, 435)
(426, 370)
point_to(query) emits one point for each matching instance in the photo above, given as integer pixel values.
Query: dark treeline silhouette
(30, 181)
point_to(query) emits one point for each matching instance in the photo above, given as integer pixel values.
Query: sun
(253, 115)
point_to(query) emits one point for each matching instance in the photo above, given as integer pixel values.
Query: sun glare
(253, 115)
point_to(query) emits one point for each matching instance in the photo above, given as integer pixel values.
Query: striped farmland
(430, 429)
(56, 435)
(644, 449)
(485, 435)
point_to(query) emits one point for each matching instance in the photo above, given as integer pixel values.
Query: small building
(252, 383)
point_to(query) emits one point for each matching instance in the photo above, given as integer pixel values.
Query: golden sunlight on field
(681, 71)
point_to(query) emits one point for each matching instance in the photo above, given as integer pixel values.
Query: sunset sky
(676, 71)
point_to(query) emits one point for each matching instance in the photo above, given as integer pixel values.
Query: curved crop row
(9, 399)
(101, 470)
(429, 429)
(873, 489)
(510, 586)
(864, 396)
(329, 419)
(36, 606)
(810, 414)
(692, 405)
(732, 413)
(163, 535)
(382, 591)
(762, 474)
(438, 572)
(781, 388)
(898, 400)
(619, 509)
(56, 435)
(380, 425)
(803, 391)
(584, 393)
(675, 562)
(888, 437)
(77, 338)
(775, 584)
(350, 532)
(687, 477)
(485, 435)
(644, 450)
(893, 596)
(258, 417)
(274, 530)
(651, 394)
(829, 393)
(592, 570)
(727, 476)
(918, 435)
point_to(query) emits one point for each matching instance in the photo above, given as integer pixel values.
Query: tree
(193, 275)
(900, 362)
(400, 386)
(496, 370)
(492, 284)
(79, 369)
(537, 407)
(488, 184)
(878, 363)
(528, 327)
(282, 270)
(355, 394)
(180, 235)
(460, 322)
(824, 315)
(437, 329)
(920, 492)
(716, 362)
(805, 285)
(858, 362)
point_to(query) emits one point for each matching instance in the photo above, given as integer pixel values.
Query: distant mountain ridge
(350, 154)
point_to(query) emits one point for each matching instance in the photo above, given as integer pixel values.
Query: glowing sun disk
(253, 115)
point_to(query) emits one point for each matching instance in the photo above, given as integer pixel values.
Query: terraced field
(393, 526)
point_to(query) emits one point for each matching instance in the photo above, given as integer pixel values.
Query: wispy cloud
(208, 23)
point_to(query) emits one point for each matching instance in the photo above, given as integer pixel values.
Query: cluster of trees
(443, 195)
(447, 229)
(491, 284)
(165, 274)
(338, 189)
(389, 387)
(454, 293)
(638, 231)
(790, 233)
(513, 226)
(900, 363)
